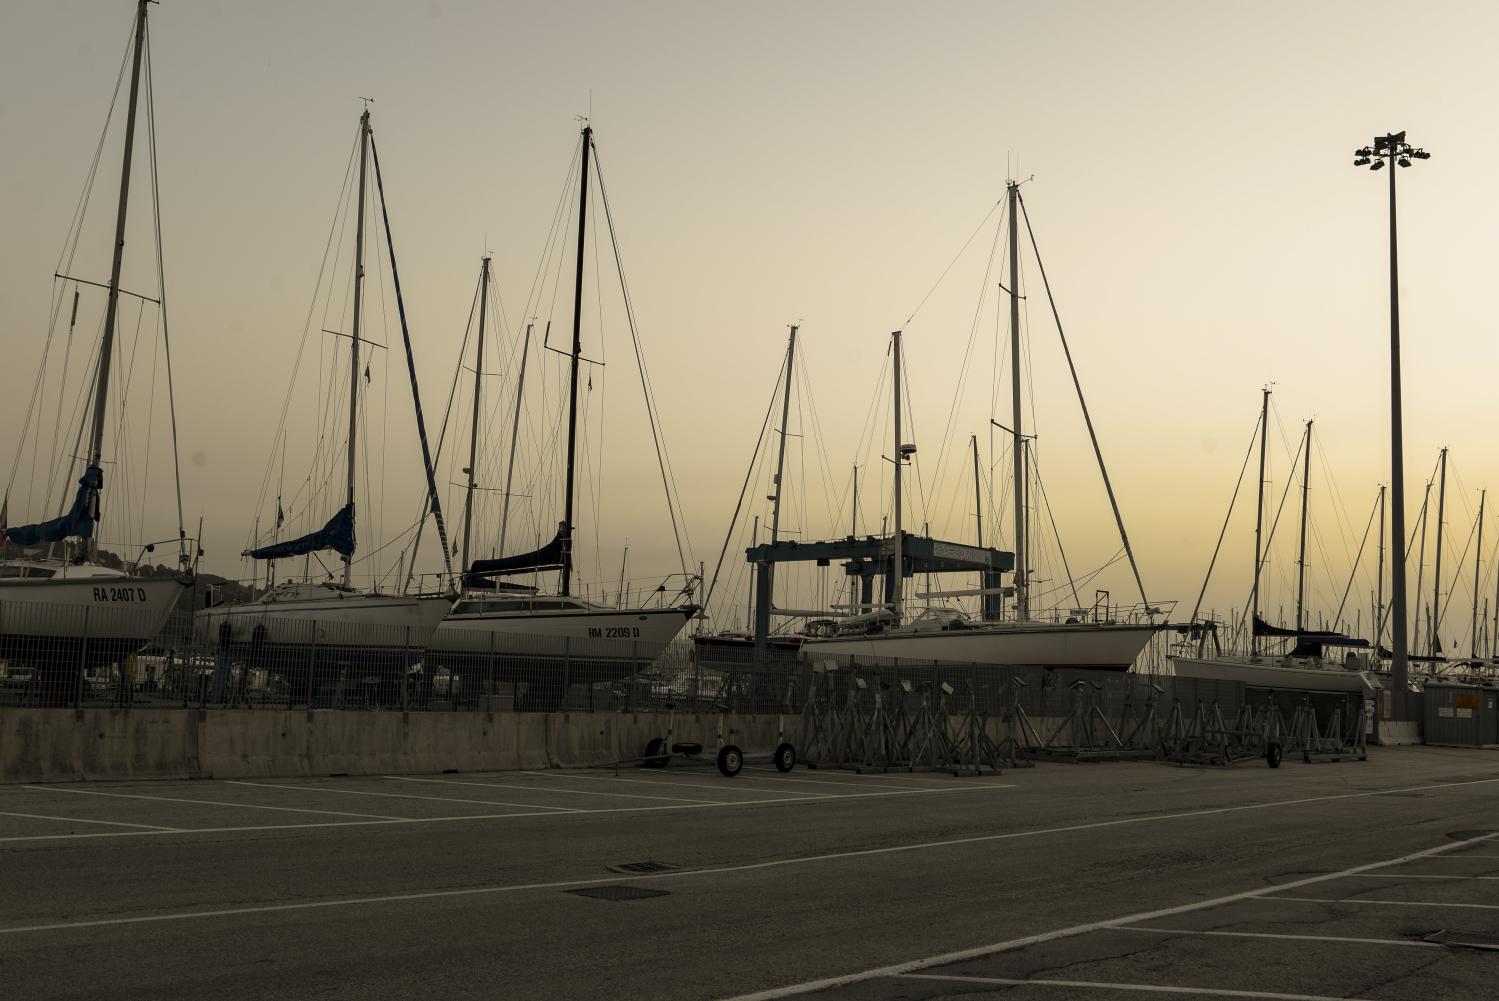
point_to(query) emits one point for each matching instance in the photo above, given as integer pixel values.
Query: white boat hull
(1029, 644)
(355, 620)
(584, 645)
(1274, 673)
(117, 609)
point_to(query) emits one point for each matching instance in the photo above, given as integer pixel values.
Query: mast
(775, 511)
(572, 382)
(1259, 525)
(520, 389)
(364, 148)
(1306, 486)
(106, 348)
(1022, 597)
(1434, 616)
(853, 530)
(473, 431)
(1379, 579)
(1477, 563)
(978, 497)
(898, 564)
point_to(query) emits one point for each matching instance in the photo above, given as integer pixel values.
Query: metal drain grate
(635, 868)
(617, 892)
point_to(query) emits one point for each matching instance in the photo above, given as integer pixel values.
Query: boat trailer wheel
(785, 758)
(1273, 754)
(655, 754)
(730, 760)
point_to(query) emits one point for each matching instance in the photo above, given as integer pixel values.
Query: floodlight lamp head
(1377, 165)
(1404, 161)
(1362, 161)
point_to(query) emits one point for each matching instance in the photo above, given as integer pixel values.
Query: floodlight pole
(1386, 151)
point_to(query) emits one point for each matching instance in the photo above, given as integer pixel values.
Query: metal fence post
(406, 674)
(311, 664)
(567, 669)
(489, 678)
(81, 672)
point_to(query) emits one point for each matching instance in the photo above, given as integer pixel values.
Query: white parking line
(80, 820)
(570, 792)
(399, 795)
(1384, 903)
(1106, 986)
(865, 781)
(655, 782)
(978, 952)
(1415, 943)
(207, 802)
(1424, 875)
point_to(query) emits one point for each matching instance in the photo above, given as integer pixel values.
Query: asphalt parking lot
(1376, 880)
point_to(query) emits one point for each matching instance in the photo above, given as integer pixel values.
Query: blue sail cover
(548, 557)
(337, 535)
(79, 520)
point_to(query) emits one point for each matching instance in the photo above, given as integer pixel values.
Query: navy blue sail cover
(337, 535)
(79, 521)
(548, 557)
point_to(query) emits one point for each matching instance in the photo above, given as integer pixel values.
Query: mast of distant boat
(768, 570)
(1477, 563)
(473, 431)
(1017, 428)
(572, 384)
(1379, 580)
(106, 347)
(1306, 487)
(1434, 616)
(897, 569)
(364, 148)
(520, 389)
(1259, 527)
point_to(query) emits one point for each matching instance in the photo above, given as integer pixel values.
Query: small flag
(280, 515)
(455, 547)
(366, 373)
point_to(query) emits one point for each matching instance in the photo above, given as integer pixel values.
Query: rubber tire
(785, 758)
(1272, 755)
(730, 760)
(655, 756)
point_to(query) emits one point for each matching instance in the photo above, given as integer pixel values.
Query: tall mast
(1259, 525)
(364, 148)
(1379, 579)
(853, 530)
(1022, 596)
(898, 565)
(572, 384)
(106, 348)
(520, 388)
(1477, 563)
(978, 497)
(1433, 617)
(1306, 486)
(473, 431)
(775, 510)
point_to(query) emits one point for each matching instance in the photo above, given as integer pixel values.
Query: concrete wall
(64, 745)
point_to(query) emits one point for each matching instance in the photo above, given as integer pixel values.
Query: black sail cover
(548, 557)
(337, 535)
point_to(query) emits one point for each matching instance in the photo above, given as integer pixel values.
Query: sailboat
(367, 626)
(516, 633)
(63, 608)
(1305, 665)
(1102, 638)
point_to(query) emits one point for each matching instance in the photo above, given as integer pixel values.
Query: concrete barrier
(67, 745)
